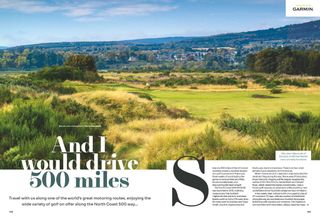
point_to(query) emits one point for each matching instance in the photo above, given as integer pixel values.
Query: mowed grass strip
(211, 104)
(239, 103)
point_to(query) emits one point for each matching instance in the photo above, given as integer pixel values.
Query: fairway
(238, 104)
(211, 104)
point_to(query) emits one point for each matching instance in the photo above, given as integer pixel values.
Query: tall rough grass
(132, 138)
(196, 142)
(284, 131)
(289, 131)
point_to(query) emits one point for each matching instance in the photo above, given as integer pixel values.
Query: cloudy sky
(37, 21)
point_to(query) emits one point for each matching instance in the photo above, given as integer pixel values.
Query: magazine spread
(160, 108)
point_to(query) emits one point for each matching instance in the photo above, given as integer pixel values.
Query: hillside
(103, 44)
(308, 31)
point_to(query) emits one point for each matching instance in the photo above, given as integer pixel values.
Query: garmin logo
(302, 8)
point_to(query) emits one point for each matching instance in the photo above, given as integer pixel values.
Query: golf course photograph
(241, 93)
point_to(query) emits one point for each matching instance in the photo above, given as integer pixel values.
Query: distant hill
(159, 40)
(77, 45)
(307, 31)
(2, 47)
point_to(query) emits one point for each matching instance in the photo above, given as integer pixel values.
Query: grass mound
(121, 107)
(261, 96)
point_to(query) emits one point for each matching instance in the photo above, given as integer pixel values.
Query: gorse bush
(243, 86)
(252, 127)
(62, 73)
(276, 90)
(77, 67)
(218, 80)
(182, 81)
(273, 83)
(5, 95)
(302, 118)
(59, 73)
(266, 82)
(297, 83)
(142, 95)
(36, 84)
(28, 124)
(171, 112)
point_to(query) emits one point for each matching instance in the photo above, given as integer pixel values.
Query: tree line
(125, 59)
(285, 60)
(29, 59)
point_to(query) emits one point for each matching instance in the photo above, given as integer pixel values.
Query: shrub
(178, 113)
(253, 127)
(218, 80)
(276, 90)
(271, 85)
(302, 118)
(62, 73)
(64, 90)
(259, 79)
(296, 83)
(261, 96)
(29, 124)
(243, 86)
(142, 95)
(226, 81)
(172, 112)
(5, 95)
(267, 83)
(221, 80)
(59, 73)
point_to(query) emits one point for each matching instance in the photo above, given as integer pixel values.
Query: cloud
(89, 10)
(80, 12)
(137, 10)
(27, 6)
(263, 2)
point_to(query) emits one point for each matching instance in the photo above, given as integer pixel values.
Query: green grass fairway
(239, 104)
(211, 104)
